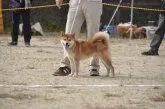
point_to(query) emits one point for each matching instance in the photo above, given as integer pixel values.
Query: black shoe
(62, 71)
(13, 43)
(94, 72)
(27, 44)
(150, 53)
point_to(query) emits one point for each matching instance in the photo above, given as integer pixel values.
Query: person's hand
(58, 3)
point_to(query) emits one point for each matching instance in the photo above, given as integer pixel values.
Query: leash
(74, 19)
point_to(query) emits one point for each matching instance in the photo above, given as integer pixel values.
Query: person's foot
(150, 53)
(13, 43)
(94, 72)
(62, 71)
(27, 44)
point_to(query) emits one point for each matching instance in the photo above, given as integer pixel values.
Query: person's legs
(26, 26)
(158, 37)
(15, 28)
(159, 34)
(92, 11)
(75, 20)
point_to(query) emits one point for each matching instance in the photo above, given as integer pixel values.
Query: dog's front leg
(76, 67)
(72, 67)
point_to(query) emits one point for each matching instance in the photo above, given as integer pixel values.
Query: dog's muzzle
(67, 45)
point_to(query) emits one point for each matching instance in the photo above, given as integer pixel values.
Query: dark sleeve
(163, 7)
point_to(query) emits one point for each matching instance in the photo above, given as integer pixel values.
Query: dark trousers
(25, 14)
(159, 34)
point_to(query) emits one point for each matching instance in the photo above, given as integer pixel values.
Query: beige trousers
(80, 11)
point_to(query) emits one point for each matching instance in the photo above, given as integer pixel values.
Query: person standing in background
(80, 11)
(16, 15)
(158, 36)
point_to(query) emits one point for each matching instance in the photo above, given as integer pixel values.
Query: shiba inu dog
(98, 45)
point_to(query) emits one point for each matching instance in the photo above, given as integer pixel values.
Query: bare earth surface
(139, 81)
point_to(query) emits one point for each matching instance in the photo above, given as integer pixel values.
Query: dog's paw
(107, 75)
(75, 75)
(70, 75)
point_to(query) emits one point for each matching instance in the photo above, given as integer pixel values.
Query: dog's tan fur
(98, 45)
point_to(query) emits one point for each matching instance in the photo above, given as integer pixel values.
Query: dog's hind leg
(106, 66)
(107, 62)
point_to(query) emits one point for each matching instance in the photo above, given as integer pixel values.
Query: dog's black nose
(67, 44)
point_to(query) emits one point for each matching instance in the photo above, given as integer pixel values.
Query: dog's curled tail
(102, 37)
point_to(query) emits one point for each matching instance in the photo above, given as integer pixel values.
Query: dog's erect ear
(62, 33)
(73, 34)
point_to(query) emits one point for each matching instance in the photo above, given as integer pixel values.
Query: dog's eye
(64, 39)
(69, 39)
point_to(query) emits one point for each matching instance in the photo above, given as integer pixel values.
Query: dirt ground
(139, 81)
